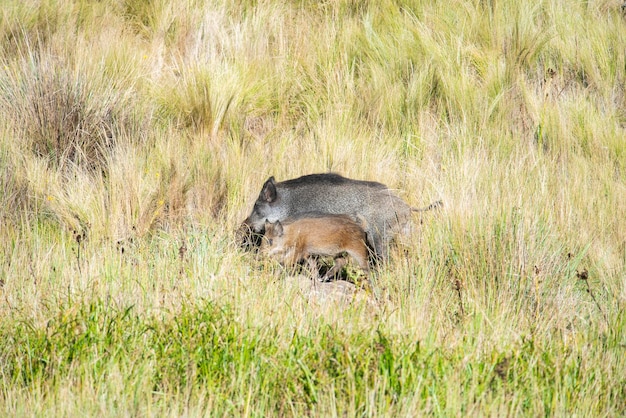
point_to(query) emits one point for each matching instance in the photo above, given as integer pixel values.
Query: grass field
(136, 136)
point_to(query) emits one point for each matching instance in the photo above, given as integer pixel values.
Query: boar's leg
(378, 246)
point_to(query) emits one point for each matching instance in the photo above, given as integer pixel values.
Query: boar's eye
(271, 241)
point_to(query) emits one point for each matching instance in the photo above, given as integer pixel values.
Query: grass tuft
(61, 114)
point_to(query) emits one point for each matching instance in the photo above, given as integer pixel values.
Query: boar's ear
(278, 228)
(268, 193)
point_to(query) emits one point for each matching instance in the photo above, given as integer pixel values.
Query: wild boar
(386, 214)
(316, 234)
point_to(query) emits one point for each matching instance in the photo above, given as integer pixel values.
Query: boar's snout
(247, 237)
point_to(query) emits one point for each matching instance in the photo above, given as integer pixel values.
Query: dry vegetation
(136, 136)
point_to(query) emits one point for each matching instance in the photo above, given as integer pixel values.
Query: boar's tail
(434, 205)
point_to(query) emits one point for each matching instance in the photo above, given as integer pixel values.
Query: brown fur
(329, 235)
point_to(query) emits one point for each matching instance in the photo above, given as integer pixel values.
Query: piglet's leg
(339, 263)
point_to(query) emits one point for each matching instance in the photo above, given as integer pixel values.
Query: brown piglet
(313, 235)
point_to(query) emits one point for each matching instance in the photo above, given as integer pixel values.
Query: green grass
(204, 357)
(137, 136)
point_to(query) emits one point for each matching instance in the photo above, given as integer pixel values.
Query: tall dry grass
(138, 134)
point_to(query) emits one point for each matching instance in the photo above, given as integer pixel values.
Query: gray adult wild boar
(385, 214)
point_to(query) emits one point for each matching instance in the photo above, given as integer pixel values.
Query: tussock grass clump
(64, 114)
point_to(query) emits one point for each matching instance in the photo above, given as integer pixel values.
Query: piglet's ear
(278, 228)
(268, 193)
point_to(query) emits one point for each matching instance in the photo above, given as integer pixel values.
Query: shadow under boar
(385, 214)
(302, 239)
